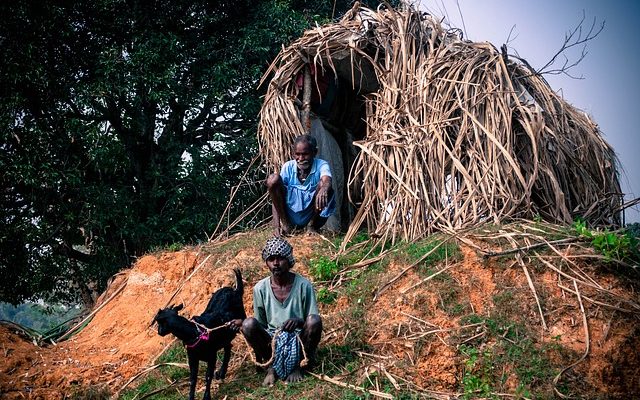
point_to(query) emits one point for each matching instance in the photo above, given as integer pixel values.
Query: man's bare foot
(270, 379)
(281, 228)
(285, 228)
(294, 376)
(311, 361)
(311, 230)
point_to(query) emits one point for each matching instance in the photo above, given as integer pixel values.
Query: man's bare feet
(311, 361)
(294, 376)
(270, 379)
(283, 228)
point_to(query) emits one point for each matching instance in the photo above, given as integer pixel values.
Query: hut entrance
(335, 116)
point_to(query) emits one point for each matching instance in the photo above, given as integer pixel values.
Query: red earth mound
(410, 328)
(119, 341)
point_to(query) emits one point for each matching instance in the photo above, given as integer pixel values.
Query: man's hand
(235, 325)
(291, 324)
(322, 195)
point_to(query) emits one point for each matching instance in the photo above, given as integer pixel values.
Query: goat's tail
(239, 285)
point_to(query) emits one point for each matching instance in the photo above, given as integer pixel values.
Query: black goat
(202, 343)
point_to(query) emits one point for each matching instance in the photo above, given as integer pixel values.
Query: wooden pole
(306, 100)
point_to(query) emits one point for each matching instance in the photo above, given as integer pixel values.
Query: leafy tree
(38, 317)
(124, 125)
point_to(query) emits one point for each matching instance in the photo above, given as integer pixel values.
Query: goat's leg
(211, 366)
(193, 376)
(222, 372)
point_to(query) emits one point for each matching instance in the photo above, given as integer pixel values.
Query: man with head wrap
(284, 304)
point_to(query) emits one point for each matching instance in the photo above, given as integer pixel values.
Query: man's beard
(303, 165)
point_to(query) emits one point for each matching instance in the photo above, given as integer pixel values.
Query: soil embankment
(418, 333)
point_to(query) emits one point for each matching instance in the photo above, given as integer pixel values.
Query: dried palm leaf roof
(457, 133)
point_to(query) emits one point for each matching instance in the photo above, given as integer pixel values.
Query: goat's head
(164, 316)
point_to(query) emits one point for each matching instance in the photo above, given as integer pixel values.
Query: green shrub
(323, 268)
(477, 377)
(621, 246)
(326, 296)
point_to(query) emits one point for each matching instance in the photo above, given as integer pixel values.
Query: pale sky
(611, 82)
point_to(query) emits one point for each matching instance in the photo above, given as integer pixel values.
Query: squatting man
(284, 305)
(301, 194)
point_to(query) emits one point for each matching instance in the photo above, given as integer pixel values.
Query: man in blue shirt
(301, 194)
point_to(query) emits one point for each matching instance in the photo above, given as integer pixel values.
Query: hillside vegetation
(525, 310)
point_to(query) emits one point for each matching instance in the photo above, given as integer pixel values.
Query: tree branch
(74, 254)
(572, 39)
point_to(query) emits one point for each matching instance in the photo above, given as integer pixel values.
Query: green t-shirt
(272, 314)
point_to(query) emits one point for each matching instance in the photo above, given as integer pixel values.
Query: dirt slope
(414, 333)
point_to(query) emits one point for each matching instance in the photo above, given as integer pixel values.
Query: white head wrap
(277, 246)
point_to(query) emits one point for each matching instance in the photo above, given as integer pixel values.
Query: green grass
(153, 382)
(256, 240)
(507, 344)
(90, 393)
(450, 294)
(439, 253)
(359, 248)
(167, 248)
(174, 354)
(359, 290)
(248, 385)
(161, 377)
(447, 251)
(336, 359)
(354, 318)
(530, 361)
(477, 379)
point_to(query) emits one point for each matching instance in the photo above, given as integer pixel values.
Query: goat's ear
(178, 307)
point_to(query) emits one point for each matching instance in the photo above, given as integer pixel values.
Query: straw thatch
(456, 133)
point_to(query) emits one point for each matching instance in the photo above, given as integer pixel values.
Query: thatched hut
(435, 132)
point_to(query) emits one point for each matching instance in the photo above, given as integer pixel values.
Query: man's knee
(257, 338)
(273, 181)
(250, 326)
(313, 324)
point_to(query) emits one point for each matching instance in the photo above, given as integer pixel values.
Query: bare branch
(572, 39)
(509, 38)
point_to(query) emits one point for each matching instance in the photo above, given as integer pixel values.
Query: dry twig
(587, 342)
(375, 393)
